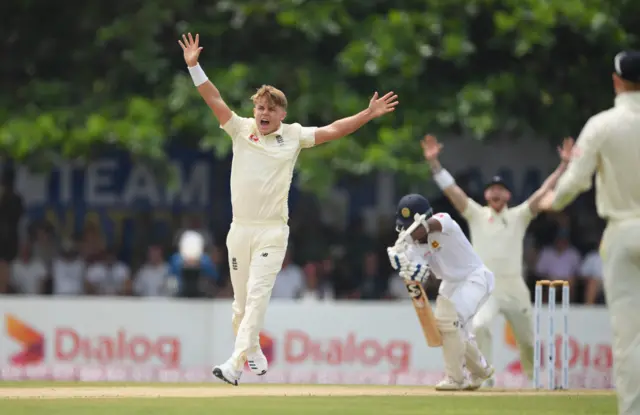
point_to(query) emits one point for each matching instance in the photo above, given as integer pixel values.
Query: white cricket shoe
(258, 363)
(485, 378)
(227, 373)
(448, 384)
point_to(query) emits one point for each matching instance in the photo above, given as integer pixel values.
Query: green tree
(78, 77)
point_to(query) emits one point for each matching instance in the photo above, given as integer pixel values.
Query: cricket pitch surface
(72, 390)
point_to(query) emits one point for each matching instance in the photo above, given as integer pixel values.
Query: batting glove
(415, 272)
(397, 259)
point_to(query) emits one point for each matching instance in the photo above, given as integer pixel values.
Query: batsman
(435, 245)
(497, 232)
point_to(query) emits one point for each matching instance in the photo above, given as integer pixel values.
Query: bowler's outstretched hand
(383, 105)
(191, 49)
(430, 147)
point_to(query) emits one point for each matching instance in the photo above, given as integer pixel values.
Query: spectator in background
(11, 209)
(561, 261)
(194, 222)
(373, 285)
(190, 264)
(223, 286)
(315, 289)
(290, 281)
(93, 243)
(591, 271)
(358, 245)
(151, 280)
(43, 247)
(108, 276)
(68, 271)
(397, 288)
(28, 273)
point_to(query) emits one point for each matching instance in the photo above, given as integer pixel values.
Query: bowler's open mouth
(264, 123)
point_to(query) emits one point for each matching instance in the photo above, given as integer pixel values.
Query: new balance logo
(264, 254)
(234, 264)
(279, 139)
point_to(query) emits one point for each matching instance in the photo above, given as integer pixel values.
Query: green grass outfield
(30, 398)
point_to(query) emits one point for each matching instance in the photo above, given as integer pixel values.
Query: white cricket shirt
(609, 145)
(498, 237)
(262, 168)
(450, 256)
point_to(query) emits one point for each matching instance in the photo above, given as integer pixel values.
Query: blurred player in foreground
(264, 154)
(440, 247)
(609, 145)
(497, 234)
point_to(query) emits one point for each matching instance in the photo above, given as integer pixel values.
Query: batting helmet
(408, 206)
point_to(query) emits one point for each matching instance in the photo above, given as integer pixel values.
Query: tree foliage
(79, 76)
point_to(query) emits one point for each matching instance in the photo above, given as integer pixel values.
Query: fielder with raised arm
(264, 154)
(497, 234)
(438, 246)
(609, 146)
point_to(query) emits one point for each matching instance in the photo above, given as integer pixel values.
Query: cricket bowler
(264, 154)
(497, 234)
(439, 247)
(609, 146)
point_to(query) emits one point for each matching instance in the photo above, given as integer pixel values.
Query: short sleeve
(542, 264)
(234, 126)
(586, 268)
(208, 268)
(473, 210)
(445, 221)
(308, 137)
(522, 213)
(577, 259)
(591, 267)
(41, 270)
(140, 281)
(124, 272)
(94, 274)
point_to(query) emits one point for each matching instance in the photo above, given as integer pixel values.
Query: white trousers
(455, 307)
(512, 299)
(256, 253)
(620, 252)
(470, 295)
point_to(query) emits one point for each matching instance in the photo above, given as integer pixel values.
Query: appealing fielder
(609, 146)
(439, 247)
(264, 154)
(497, 233)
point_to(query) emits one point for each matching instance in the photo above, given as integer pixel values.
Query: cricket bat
(421, 302)
(425, 314)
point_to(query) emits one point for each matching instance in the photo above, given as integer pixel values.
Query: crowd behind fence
(323, 263)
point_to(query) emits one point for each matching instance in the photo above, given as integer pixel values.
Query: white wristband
(198, 75)
(444, 179)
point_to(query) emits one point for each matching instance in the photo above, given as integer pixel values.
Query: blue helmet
(408, 206)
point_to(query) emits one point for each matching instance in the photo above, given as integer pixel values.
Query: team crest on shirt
(435, 244)
(254, 138)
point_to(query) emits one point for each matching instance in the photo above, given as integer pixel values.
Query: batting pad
(474, 359)
(453, 339)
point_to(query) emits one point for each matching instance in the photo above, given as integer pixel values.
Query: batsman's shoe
(448, 384)
(477, 380)
(227, 373)
(257, 363)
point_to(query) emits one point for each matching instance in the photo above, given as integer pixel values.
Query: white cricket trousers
(256, 252)
(512, 299)
(620, 252)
